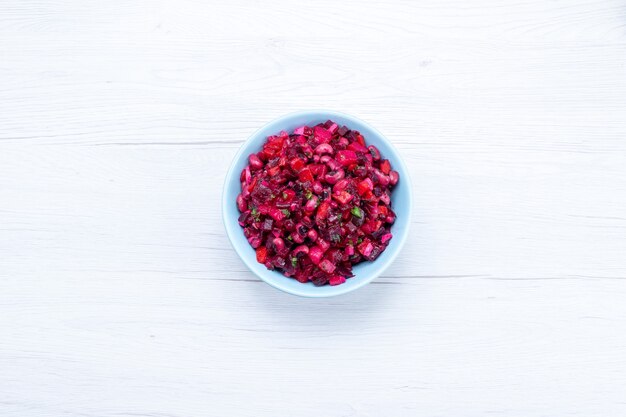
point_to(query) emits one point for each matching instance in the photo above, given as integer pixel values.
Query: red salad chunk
(316, 202)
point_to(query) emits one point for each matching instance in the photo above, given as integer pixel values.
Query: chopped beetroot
(322, 212)
(317, 202)
(365, 186)
(321, 134)
(305, 175)
(385, 167)
(297, 164)
(327, 266)
(366, 248)
(261, 254)
(336, 280)
(343, 197)
(321, 243)
(346, 158)
(357, 147)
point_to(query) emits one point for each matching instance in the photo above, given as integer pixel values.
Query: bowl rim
(338, 290)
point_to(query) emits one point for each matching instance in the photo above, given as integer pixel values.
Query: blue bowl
(364, 272)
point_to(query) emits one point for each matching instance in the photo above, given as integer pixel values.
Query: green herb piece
(308, 194)
(289, 238)
(285, 195)
(286, 212)
(357, 212)
(294, 261)
(358, 242)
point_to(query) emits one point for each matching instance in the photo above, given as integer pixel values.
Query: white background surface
(120, 295)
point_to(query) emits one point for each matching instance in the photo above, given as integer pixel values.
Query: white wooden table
(120, 295)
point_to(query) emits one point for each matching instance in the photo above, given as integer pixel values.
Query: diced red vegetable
(327, 266)
(365, 186)
(321, 134)
(346, 158)
(306, 175)
(336, 280)
(261, 254)
(297, 164)
(385, 167)
(343, 197)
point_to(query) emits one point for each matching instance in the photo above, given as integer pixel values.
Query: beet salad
(316, 202)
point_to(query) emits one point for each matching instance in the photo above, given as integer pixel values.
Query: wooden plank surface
(120, 295)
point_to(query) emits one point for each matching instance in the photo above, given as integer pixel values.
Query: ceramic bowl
(364, 272)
